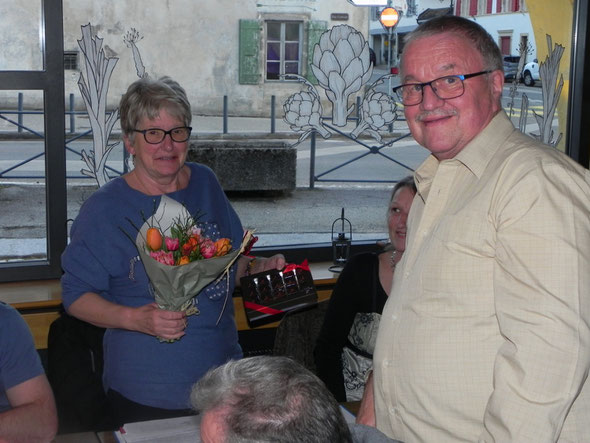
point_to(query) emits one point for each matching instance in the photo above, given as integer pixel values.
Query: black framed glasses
(449, 86)
(156, 135)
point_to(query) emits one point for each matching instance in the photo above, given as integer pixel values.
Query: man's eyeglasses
(449, 86)
(156, 135)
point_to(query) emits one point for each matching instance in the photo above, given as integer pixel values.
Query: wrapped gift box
(269, 295)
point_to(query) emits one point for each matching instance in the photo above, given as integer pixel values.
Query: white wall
(194, 42)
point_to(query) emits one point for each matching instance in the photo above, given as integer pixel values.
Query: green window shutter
(249, 69)
(314, 30)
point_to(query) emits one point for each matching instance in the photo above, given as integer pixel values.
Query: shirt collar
(475, 156)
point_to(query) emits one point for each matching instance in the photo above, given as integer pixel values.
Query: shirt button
(392, 410)
(388, 363)
(394, 317)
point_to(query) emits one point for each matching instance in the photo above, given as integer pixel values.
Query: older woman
(344, 348)
(105, 284)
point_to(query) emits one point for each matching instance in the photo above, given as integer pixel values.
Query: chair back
(297, 334)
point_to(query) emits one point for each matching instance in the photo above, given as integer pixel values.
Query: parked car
(510, 66)
(530, 73)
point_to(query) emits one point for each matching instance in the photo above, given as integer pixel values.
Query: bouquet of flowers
(180, 259)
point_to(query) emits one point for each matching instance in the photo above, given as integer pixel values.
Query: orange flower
(153, 238)
(183, 260)
(191, 245)
(223, 246)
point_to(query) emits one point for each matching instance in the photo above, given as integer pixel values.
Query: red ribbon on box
(261, 308)
(291, 267)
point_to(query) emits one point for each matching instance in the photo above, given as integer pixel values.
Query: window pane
(273, 31)
(273, 70)
(291, 68)
(291, 51)
(21, 50)
(23, 225)
(273, 51)
(292, 31)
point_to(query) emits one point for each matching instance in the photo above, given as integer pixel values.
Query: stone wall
(252, 165)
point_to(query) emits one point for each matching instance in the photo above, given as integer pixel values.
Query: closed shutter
(314, 30)
(489, 7)
(473, 8)
(249, 69)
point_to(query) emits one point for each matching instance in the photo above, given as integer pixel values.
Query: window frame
(70, 56)
(282, 43)
(50, 80)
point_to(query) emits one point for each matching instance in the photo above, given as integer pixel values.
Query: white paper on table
(178, 429)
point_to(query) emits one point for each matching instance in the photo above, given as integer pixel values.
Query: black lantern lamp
(341, 243)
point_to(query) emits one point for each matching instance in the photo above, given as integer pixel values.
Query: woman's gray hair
(270, 399)
(146, 97)
(481, 40)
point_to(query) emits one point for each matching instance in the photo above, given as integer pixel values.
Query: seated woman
(344, 349)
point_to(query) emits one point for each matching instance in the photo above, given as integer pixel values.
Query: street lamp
(389, 19)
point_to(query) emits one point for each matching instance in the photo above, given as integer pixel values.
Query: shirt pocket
(458, 266)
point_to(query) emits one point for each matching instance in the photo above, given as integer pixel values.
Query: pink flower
(208, 248)
(163, 257)
(172, 243)
(195, 231)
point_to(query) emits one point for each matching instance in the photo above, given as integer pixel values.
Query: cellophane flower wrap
(177, 270)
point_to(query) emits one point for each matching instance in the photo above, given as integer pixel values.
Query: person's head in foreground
(452, 79)
(267, 399)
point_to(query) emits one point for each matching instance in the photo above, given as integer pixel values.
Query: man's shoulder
(525, 153)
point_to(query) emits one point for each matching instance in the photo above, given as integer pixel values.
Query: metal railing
(21, 128)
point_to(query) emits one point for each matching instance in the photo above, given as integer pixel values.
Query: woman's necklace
(393, 263)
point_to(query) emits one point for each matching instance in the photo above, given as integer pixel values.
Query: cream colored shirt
(486, 336)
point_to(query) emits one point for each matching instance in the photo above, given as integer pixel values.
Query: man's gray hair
(481, 40)
(270, 399)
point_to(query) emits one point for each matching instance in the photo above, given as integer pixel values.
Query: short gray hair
(270, 399)
(146, 97)
(481, 40)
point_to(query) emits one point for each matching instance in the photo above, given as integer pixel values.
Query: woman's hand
(148, 319)
(262, 264)
(152, 320)
(366, 413)
(252, 265)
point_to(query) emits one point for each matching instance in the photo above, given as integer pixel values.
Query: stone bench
(248, 165)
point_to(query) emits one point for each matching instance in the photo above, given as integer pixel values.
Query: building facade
(213, 48)
(507, 21)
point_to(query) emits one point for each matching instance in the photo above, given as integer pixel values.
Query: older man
(272, 399)
(27, 408)
(486, 334)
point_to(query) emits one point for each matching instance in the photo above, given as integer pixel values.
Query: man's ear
(213, 427)
(497, 83)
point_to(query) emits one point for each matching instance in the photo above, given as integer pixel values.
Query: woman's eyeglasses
(157, 135)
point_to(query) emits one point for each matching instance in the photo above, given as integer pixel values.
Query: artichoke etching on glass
(341, 63)
(378, 110)
(342, 66)
(303, 111)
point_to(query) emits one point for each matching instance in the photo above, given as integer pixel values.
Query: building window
(283, 49)
(71, 60)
